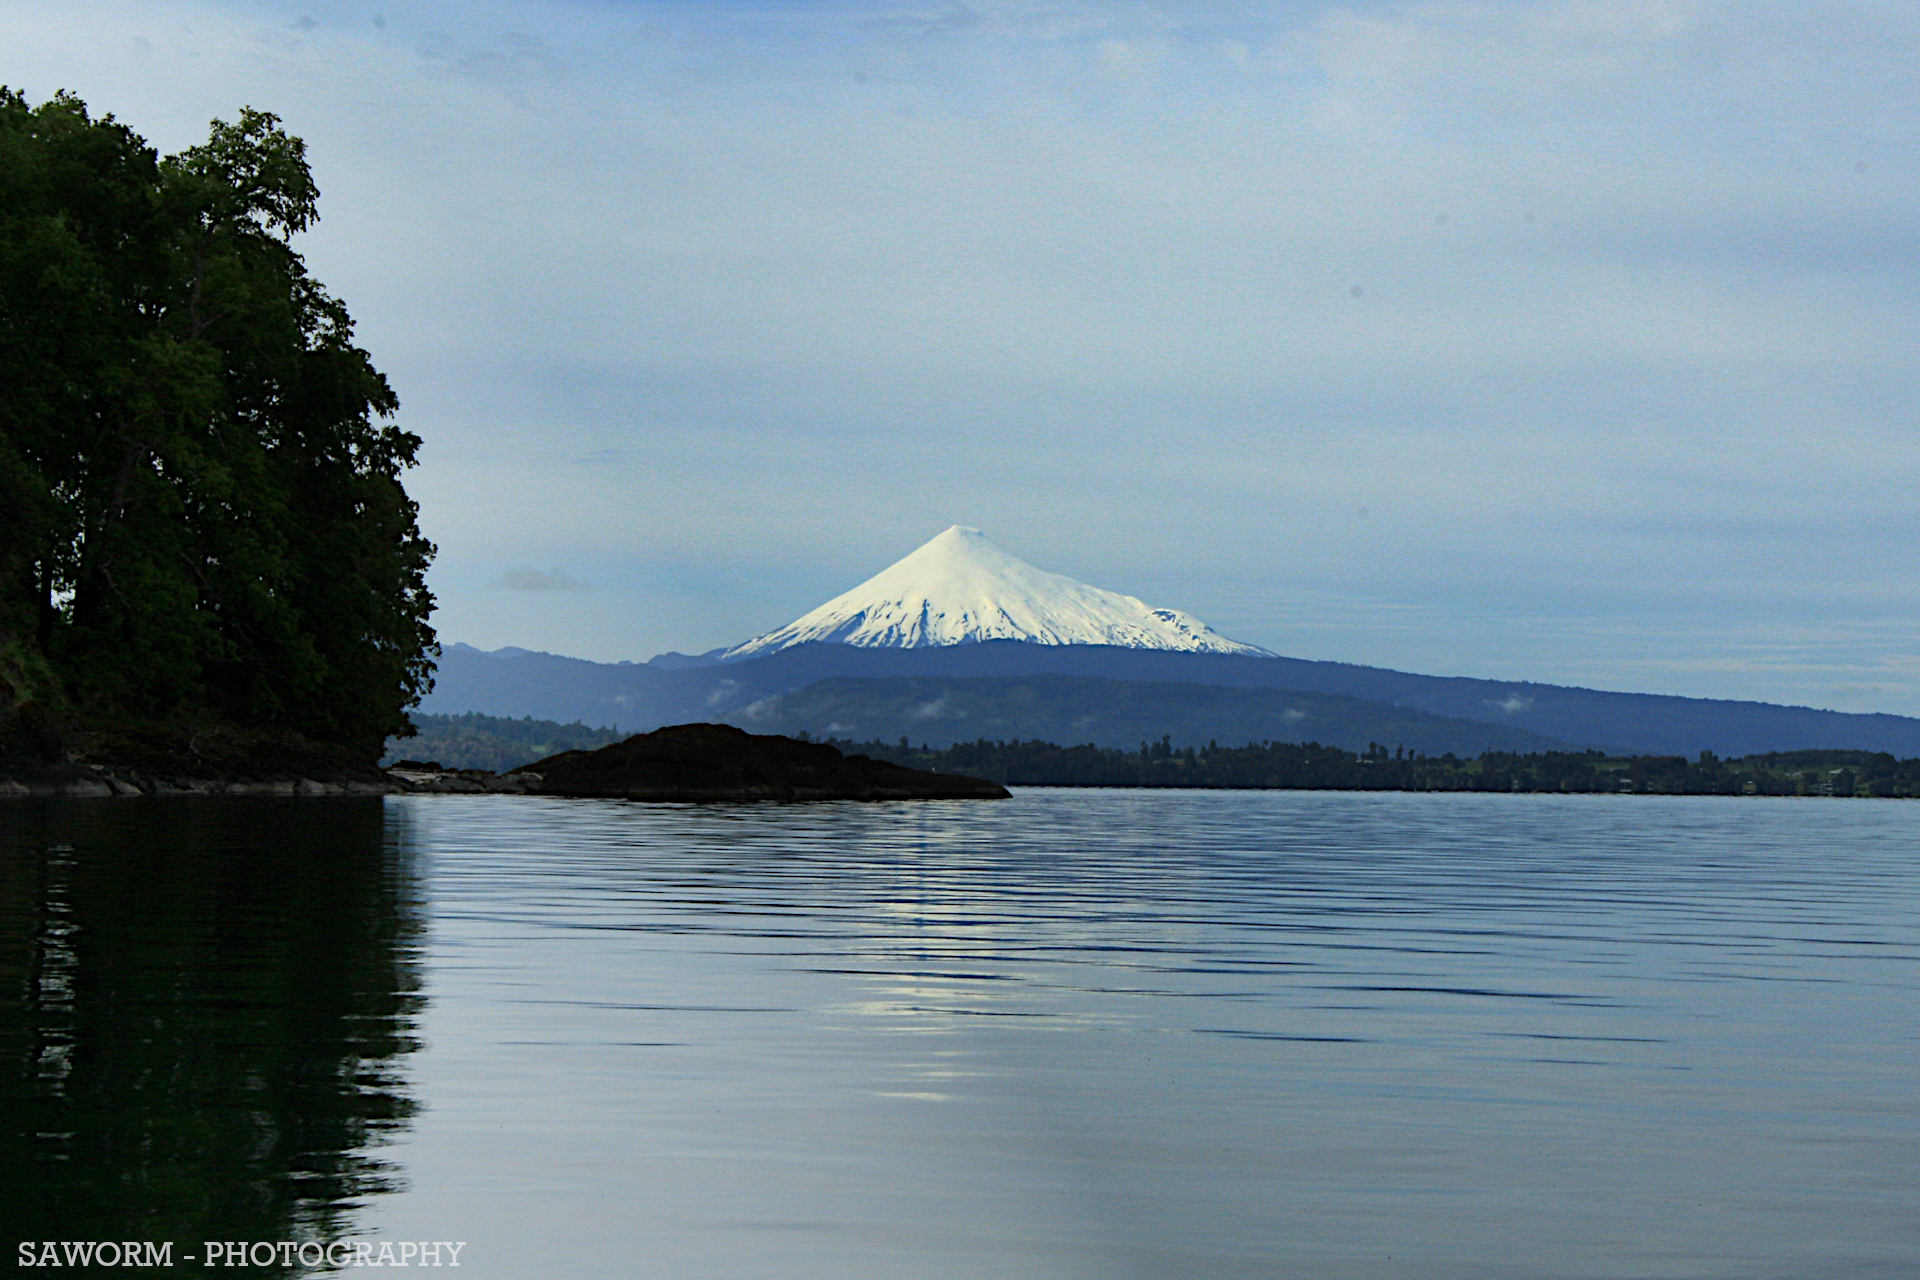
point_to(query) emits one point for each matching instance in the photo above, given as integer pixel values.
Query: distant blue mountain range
(1115, 696)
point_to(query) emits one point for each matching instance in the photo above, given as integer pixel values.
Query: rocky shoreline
(697, 763)
(81, 781)
(41, 758)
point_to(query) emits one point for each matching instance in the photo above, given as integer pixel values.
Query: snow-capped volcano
(961, 589)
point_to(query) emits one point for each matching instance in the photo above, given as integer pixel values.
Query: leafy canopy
(201, 512)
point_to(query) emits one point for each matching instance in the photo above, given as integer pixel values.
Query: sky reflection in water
(1078, 1034)
(1153, 1034)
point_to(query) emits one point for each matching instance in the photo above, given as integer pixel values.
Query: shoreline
(99, 782)
(104, 784)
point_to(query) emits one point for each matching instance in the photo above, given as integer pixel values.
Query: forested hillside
(1114, 713)
(495, 743)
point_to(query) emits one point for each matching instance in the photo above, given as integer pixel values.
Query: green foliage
(1310, 766)
(474, 741)
(204, 510)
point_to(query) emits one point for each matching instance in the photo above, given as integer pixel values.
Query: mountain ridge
(942, 711)
(639, 695)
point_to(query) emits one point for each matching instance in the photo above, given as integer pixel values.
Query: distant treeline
(1309, 766)
(474, 741)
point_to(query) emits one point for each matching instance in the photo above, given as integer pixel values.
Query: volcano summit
(962, 589)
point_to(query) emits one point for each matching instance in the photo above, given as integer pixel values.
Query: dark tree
(201, 514)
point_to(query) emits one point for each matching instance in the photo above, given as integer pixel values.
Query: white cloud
(729, 306)
(540, 580)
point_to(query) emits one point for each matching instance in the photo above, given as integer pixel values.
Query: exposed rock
(718, 762)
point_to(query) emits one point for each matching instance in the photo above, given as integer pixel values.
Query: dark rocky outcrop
(719, 762)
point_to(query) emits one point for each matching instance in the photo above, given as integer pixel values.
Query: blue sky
(1565, 341)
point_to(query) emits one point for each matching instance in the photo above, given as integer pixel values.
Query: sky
(1569, 341)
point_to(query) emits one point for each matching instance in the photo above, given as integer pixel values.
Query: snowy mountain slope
(961, 589)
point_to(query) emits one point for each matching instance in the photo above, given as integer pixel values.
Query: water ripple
(1120, 1002)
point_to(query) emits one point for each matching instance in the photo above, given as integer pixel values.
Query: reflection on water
(204, 1010)
(1077, 1034)
(1112, 1034)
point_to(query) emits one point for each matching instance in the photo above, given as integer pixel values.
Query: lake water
(1078, 1034)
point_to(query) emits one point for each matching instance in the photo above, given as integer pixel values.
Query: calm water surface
(1079, 1034)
